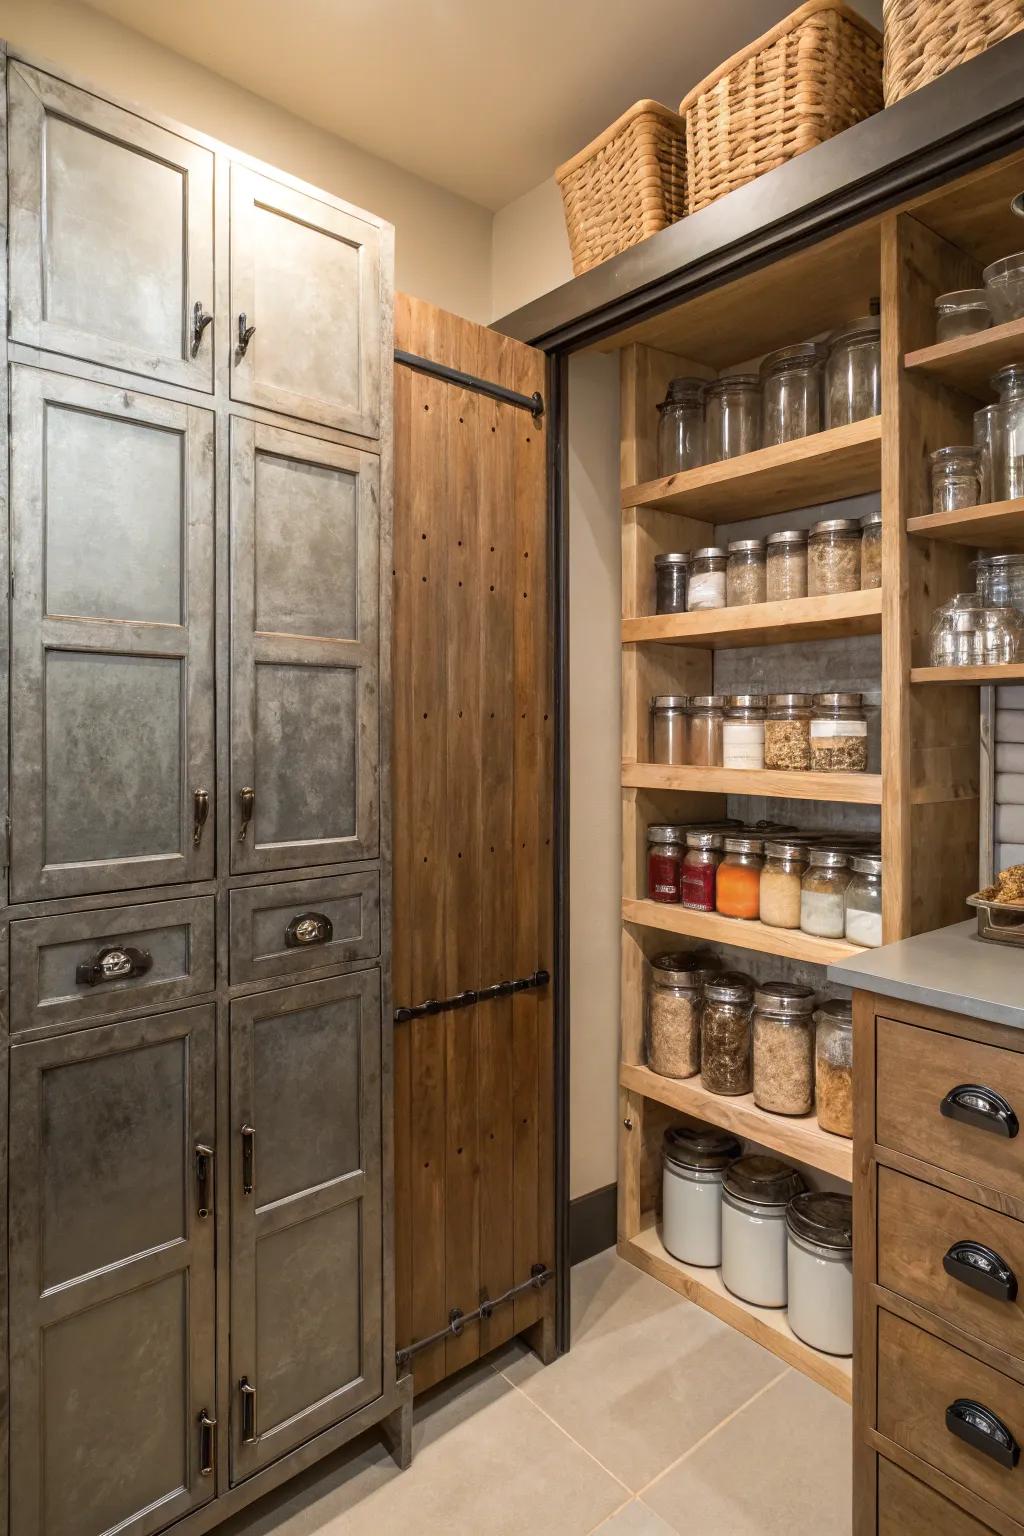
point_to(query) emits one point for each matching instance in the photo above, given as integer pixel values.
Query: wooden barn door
(473, 845)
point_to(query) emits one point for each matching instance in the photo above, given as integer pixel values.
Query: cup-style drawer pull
(982, 1269)
(978, 1426)
(981, 1107)
(308, 928)
(115, 963)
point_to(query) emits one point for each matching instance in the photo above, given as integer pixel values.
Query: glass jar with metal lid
(791, 393)
(871, 551)
(833, 1066)
(755, 1193)
(787, 731)
(725, 1033)
(681, 426)
(784, 1048)
(732, 420)
(1009, 385)
(956, 478)
(990, 441)
(694, 1163)
(668, 728)
(822, 893)
(674, 999)
(853, 373)
(863, 900)
(666, 848)
(786, 562)
(784, 866)
(706, 579)
(743, 731)
(839, 733)
(697, 877)
(819, 1270)
(746, 573)
(670, 571)
(704, 722)
(964, 312)
(833, 557)
(738, 881)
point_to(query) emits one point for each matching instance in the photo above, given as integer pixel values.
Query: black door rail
(467, 999)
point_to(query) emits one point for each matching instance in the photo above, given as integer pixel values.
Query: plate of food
(1000, 907)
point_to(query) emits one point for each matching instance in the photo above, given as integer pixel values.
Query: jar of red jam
(697, 880)
(665, 851)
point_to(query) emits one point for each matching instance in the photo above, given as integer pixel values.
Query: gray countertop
(950, 968)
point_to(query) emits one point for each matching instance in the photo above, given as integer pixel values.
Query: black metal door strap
(533, 403)
(540, 1274)
(467, 999)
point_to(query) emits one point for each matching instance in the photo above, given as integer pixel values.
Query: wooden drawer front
(917, 1226)
(169, 945)
(304, 925)
(916, 1069)
(918, 1378)
(906, 1507)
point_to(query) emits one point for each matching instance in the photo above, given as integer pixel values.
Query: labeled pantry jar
(784, 866)
(732, 420)
(839, 733)
(670, 571)
(833, 1066)
(864, 901)
(704, 721)
(755, 1193)
(786, 562)
(819, 1269)
(681, 426)
(791, 393)
(694, 1163)
(784, 1048)
(725, 1065)
(787, 731)
(674, 998)
(743, 731)
(738, 881)
(700, 865)
(668, 728)
(833, 557)
(665, 852)
(745, 573)
(822, 893)
(705, 582)
(853, 373)
(956, 478)
(871, 551)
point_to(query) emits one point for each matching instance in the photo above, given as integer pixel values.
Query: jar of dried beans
(871, 551)
(665, 852)
(786, 561)
(706, 579)
(784, 1048)
(787, 731)
(674, 1000)
(745, 575)
(833, 557)
(700, 865)
(956, 478)
(822, 893)
(670, 582)
(738, 882)
(784, 866)
(704, 721)
(725, 1064)
(833, 1066)
(743, 732)
(839, 734)
(668, 728)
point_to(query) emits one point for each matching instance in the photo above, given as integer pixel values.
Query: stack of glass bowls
(967, 633)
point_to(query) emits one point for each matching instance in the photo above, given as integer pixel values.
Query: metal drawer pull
(978, 1426)
(200, 811)
(200, 320)
(981, 1107)
(248, 1159)
(115, 963)
(308, 928)
(204, 1181)
(207, 1426)
(245, 334)
(247, 804)
(248, 1411)
(981, 1268)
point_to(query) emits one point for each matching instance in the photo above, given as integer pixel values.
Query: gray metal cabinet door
(111, 233)
(112, 1277)
(305, 306)
(112, 638)
(306, 1226)
(304, 650)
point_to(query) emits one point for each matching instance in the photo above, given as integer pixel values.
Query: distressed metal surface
(260, 918)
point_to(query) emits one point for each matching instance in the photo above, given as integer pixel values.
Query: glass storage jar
(681, 427)
(1004, 287)
(700, 864)
(853, 373)
(743, 732)
(786, 560)
(871, 551)
(990, 441)
(668, 728)
(839, 734)
(694, 1163)
(822, 893)
(745, 573)
(787, 731)
(962, 313)
(863, 901)
(791, 393)
(1001, 580)
(732, 422)
(725, 1033)
(784, 1048)
(784, 866)
(956, 629)
(706, 579)
(670, 572)
(666, 849)
(956, 478)
(674, 999)
(819, 1270)
(704, 721)
(738, 881)
(1009, 385)
(755, 1193)
(833, 557)
(833, 1066)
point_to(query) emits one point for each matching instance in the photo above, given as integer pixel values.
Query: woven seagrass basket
(925, 38)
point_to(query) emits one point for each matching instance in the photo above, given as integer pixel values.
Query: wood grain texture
(845, 788)
(865, 1353)
(799, 618)
(996, 525)
(907, 1505)
(741, 932)
(1006, 672)
(968, 362)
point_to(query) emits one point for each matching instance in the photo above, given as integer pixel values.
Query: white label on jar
(743, 744)
(830, 729)
(706, 589)
(864, 927)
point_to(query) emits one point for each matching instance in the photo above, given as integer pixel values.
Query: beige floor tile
(780, 1466)
(635, 1520)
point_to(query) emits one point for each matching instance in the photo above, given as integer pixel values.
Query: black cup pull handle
(116, 962)
(978, 1427)
(982, 1269)
(986, 1110)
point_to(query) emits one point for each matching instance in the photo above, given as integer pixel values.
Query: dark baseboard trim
(592, 1223)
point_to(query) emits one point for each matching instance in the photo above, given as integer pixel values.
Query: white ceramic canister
(755, 1193)
(694, 1163)
(820, 1270)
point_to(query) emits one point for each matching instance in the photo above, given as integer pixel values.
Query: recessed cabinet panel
(111, 233)
(305, 716)
(304, 925)
(306, 548)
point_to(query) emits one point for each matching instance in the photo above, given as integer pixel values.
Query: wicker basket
(816, 73)
(626, 185)
(924, 38)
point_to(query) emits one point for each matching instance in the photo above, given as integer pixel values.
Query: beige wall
(530, 253)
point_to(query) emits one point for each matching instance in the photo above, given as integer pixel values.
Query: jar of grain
(787, 731)
(666, 849)
(745, 574)
(784, 1048)
(743, 732)
(784, 867)
(694, 1163)
(706, 579)
(704, 721)
(738, 881)
(853, 373)
(864, 901)
(819, 1270)
(681, 426)
(755, 1193)
(822, 892)
(839, 734)
(956, 478)
(732, 422)
(833, 1066)
(670, 582)
(791, 393)
(674, 999)
(871, 551)
(668, 728)
(833, 557)
(725, 1065)
(700, 865)
(786, 560)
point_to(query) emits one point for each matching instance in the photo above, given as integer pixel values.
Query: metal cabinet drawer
(86, 966)
(304, 925)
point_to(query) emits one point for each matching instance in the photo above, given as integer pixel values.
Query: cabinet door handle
(207, 1429)
(248, 1159)
(200, 320)
(247, 804)
(978, 1426)
(245, 334)
(308, 928)
(200, 812)
(982, 1269)
(204, 1181)
(248, 1393)
(981, 1107)
(117, 962)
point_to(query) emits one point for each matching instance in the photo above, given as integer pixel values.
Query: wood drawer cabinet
(908, 1506)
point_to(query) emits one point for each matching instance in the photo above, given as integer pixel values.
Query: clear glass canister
(962, 313)
(784, 1048)
(743, 732)
(670, 572)
(725, 1065)
(819, 1266)
(839, 734)
(666, 848)
(738, 881)
(1009, 385)
(704, 722)
(694, 1163)
(700, 865)
(833, 1066)
(746, 573)
(833, 557)
(1004, 287)
(863, 900)
(823, 892)
(853, 373)
(787, 731)
(1001, 580)
(990, 441)
(681, 427)
(784, 866)
(668, 728)
(732, 423)
(956, 478)
(755, 1194)
(786, 554)
(706, 579)
(791, 393)
(871, 551)
(674, 1000)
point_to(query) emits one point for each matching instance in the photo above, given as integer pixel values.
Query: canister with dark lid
(755, 1193)
(820, 1270)
(694, 1164)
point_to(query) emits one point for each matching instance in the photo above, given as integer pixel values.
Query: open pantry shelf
(969, 362)
(800, 1137)
(1007, 672)
(995, 525)
(844, 461)
(799, 618)
(840, 788)
(743, 933)
(765, 1325)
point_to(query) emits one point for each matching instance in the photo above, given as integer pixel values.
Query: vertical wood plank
(865, 1461)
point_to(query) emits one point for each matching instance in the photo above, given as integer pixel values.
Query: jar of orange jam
(738, 882)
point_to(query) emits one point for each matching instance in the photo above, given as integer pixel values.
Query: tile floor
(661, 1421)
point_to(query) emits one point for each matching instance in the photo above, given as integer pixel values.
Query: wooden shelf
(799, 618)
(845, 461)
(996, 525)
(767, 1326)
(799, 1137)
(969, 362)
(1011, 672)
(713, 928)
(840, 788)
